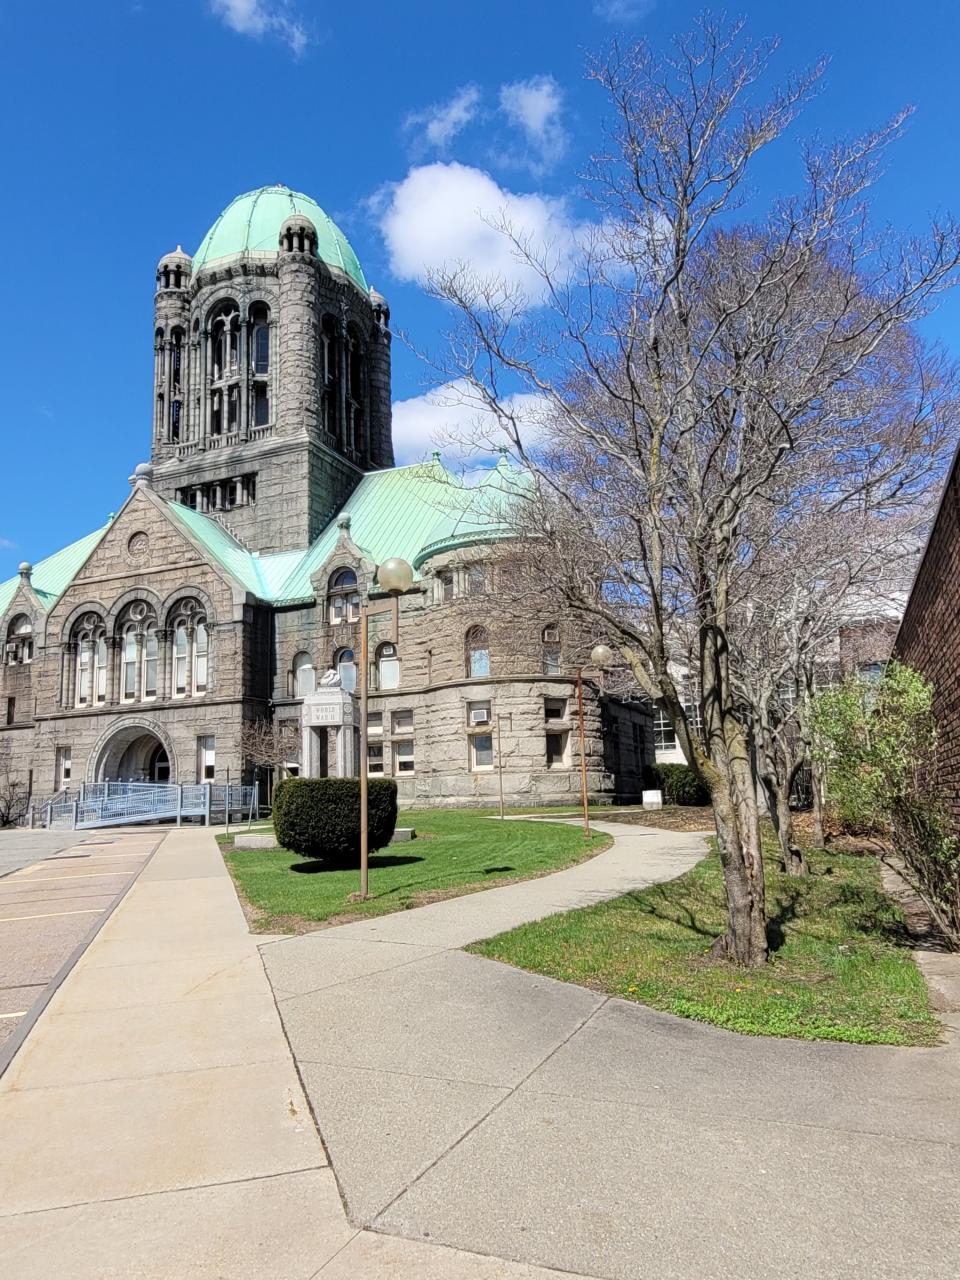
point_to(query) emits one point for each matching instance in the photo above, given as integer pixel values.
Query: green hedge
(320, 817)
(679, 784)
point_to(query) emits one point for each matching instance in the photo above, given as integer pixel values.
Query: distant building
(929, 638)
(232, 578)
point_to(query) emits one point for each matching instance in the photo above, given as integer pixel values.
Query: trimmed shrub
(278, 793)
(680, 784)
(320, 817)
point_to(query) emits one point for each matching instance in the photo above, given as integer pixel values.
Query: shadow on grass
(316, 865)
(492, 871)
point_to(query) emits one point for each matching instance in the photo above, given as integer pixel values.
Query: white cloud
(535, 107)
(451, 419)
(441, 123)
(439, 216)
(622, 11)
(7, 545)
(258, 18)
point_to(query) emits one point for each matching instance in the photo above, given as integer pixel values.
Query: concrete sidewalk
(466, 1102)
(153, 1125)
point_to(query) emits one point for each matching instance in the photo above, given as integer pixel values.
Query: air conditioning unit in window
(480, 715)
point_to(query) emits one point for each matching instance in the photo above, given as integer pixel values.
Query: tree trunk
(745, 940)
(781, 817)
(816, 790)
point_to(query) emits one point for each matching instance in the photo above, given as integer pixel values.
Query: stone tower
(272, 372)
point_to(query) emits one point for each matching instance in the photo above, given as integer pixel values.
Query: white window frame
(376, 752)
(401, 753)
(397, 730)
(206, 757)
(475, 764)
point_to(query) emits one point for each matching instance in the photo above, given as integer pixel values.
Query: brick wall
(929, 637)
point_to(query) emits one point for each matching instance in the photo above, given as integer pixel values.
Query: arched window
(201, 645)
(181, 654)
(304, 676)
(478, 652)
(191, 647)
(388, 667)
(260, 338)
(128, 684)
(151, 655)
(100, 667)
(90, 674)
(330, 377)
(84, 664)
(552, 660)
(19, 641)
(355, 397)
(346, 668)
(343, 597)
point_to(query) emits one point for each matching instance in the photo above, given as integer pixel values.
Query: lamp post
(600, 656)
(395, 576)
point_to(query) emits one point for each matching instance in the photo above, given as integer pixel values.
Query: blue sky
(132, 123)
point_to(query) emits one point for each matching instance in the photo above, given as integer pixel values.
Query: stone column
(112, 659)
(245, 362)
(204, 423)
(68, 674)
(164, 656)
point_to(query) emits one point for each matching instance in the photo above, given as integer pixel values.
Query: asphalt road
(56, 888)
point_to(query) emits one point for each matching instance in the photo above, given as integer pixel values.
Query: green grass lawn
(456, 851)
(840, 969)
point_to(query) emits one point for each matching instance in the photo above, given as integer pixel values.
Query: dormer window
(343, 598)
(20, 641)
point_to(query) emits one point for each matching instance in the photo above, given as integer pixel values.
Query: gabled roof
(52, 576)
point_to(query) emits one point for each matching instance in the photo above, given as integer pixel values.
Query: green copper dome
(251, 224)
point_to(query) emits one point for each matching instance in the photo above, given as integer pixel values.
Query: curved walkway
(469, 1104)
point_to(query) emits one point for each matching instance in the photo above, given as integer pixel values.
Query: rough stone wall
(929, 636)
(299, 345)
(170, 569)
(436, 689)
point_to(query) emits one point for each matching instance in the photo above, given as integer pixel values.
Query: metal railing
(104, 804)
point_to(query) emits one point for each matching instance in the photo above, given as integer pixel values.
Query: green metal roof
(252, 222)
(52, 576)
(392, 513)
(411, 511)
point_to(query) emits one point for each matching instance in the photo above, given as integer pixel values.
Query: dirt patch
(674, 818)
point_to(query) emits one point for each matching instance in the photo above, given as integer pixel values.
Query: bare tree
(14, 796)
(690, 370)
(270, 744)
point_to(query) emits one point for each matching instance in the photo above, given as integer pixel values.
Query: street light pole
(583, 757)
(364, 787)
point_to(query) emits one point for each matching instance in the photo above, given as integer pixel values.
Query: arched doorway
(135, 754)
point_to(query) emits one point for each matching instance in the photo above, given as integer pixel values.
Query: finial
(436, 455)
(111, 517)
(142, 477)
(343, 520)
(25, 570)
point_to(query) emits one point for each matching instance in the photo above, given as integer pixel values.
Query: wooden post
(364, 830)
(583, 757)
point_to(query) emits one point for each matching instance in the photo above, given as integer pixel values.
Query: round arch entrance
(135, 754)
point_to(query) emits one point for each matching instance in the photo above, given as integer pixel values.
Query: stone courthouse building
(232, 577)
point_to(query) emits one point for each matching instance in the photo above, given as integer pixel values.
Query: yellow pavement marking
(45, 915)
(86, 875)
(18, 1014)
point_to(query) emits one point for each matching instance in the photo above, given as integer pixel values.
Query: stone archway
(136, 751)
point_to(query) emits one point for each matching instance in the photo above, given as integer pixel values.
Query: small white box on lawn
(653, 799)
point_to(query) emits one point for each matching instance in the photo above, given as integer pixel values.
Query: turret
(299, 381)
(171, 311)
